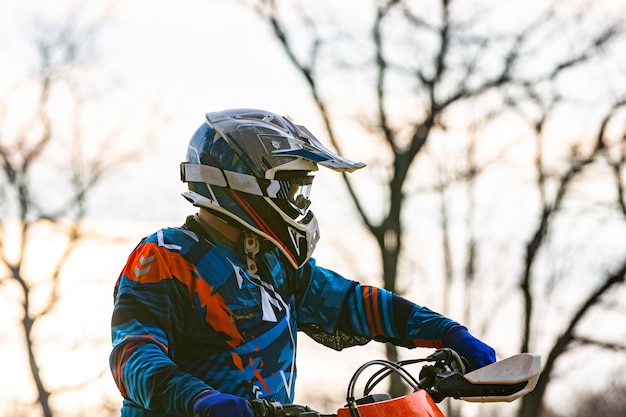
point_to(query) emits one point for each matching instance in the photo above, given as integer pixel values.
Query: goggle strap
(234, 180)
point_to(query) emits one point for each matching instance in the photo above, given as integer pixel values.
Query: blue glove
(212, 403)
(477, 353)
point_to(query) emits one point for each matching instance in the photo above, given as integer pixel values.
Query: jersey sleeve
(339, 313)
(323, 294)
(146, 318)
(384, 316)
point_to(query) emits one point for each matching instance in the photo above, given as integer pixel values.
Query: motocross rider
(206, 315)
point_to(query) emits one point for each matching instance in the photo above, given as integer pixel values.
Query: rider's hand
(211, 403)
(459, 339)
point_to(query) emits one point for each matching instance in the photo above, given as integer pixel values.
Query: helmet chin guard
(255, 167)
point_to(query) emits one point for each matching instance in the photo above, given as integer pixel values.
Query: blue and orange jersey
(188, 316)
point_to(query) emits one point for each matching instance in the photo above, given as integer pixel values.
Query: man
(206, 315)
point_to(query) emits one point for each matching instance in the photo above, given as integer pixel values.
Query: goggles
(295, 187)
(292, 186)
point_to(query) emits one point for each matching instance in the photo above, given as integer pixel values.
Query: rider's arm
(147, 317)
(385, 316)
(374, 313)
(333, 303)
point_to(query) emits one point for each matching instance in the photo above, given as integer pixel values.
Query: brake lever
(491, 383)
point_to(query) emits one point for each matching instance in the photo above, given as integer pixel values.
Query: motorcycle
(445, 376)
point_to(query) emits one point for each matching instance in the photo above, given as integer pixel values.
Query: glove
(477, 353)
(212, 403)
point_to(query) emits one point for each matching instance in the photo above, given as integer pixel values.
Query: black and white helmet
(255, 167)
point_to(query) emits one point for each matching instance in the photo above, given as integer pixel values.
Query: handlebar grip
(264, 408)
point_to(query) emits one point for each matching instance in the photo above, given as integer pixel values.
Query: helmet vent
(263, 117)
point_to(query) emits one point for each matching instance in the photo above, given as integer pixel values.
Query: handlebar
(445, 377)
(264, 408)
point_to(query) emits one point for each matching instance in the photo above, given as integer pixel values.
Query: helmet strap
(251, 247)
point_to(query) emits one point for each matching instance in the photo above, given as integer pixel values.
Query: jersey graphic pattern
(189, 316)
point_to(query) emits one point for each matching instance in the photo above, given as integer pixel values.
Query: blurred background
(495, 138)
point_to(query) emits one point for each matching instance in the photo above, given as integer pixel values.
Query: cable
(381, 374)
(390, 366)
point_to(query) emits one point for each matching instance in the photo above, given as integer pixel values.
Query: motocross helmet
(255, 167)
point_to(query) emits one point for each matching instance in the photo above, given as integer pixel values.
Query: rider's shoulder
(176, 239)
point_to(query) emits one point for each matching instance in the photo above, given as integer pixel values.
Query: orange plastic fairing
(416, 404)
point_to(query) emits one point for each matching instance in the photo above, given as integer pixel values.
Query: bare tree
(422, 74)
(48, 171)
(609, 402)
(603, 148)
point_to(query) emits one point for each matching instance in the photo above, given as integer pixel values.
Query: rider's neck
(230, 232)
